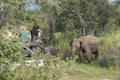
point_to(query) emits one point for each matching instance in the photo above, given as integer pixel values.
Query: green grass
(91, 72)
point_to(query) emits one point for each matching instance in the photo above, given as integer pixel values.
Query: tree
(77, 16)
(88, 16)
(10, 11)
(49, 7)
(117, 2)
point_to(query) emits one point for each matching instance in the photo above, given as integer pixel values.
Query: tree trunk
(1, 17)
(1, 21)
(51, 29)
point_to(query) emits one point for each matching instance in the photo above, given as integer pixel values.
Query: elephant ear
(71, 42)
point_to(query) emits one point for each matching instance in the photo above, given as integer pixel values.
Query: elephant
(50, 50)
(86, 44)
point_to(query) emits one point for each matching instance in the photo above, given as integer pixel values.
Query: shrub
(110, 57)
(53, 69)
(110, 50)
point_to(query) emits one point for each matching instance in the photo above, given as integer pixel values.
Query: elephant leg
(96, 54)
(88, 53)
(81, 56)
(88, 56)
(73, 52)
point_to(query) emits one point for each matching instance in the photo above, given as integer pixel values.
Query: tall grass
(62, 43)
(110, 50)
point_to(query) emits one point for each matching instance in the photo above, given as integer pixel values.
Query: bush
(53, 69)
(110, 50)
(110, 57)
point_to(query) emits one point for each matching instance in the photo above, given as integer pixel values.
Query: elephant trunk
(73, 52)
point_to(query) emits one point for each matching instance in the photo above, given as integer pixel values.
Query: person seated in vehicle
(36, 33)
(36, 36)
(25, 34)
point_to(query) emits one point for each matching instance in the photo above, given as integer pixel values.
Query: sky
(33, 6)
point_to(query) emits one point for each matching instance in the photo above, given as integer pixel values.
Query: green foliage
(11, 52)
(111, 38)
(68, 19)
(110, 50)
(86, 17)
(62, 42)
(110, 57)
(106, 40)
(53, 69)
(8, 49)
(82, 17)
